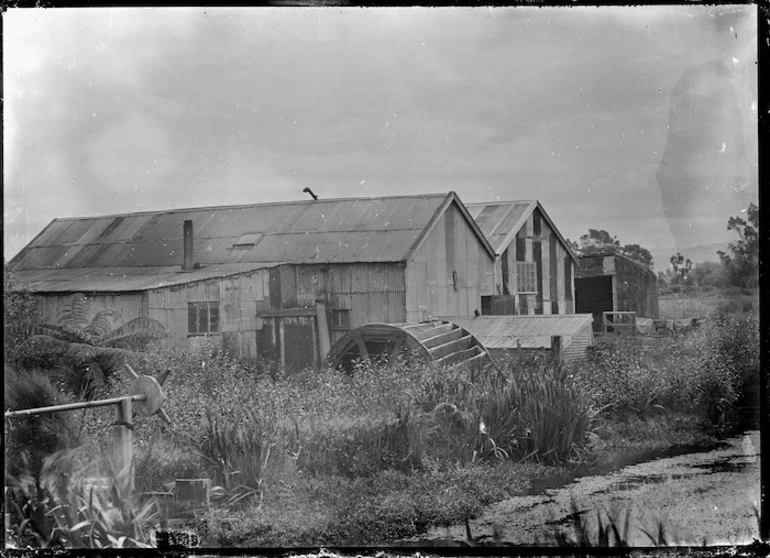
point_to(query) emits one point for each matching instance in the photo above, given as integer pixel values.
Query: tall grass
(555, 410)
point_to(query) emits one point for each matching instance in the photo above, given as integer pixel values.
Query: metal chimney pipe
(187, 233)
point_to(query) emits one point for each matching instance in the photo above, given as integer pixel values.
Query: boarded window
(339, 318)
(202, 318)
(526, 273)
(567, 278)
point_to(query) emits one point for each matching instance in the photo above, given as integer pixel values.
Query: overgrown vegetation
(369, 457)
(708, 373)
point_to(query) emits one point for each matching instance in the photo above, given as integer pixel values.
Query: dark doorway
(593, 295)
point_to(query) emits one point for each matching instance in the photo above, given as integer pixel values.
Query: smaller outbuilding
(614, 283)
(564, 336)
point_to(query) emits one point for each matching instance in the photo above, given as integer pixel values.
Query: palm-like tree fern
(90, 347)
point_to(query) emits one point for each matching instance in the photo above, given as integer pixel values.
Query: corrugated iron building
(269, 279)
(534, 271)
(615, 283)
(503, 336)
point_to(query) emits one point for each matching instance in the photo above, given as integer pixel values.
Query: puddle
(725, 466)
(612, 462)
(633, 482)
(694, 489)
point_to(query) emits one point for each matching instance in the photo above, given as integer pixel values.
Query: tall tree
(681, 266)
(743, 265)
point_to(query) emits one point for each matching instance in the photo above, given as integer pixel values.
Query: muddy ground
(702, 497)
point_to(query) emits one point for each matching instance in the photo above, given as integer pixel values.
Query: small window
(339, 318)
(526, 273)
(202, 318)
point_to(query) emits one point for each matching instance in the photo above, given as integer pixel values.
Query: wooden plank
(553, 268)
(538, 257)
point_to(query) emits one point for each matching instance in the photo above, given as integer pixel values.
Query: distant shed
(615, 283)
(503, 335)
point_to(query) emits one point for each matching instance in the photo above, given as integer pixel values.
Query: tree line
(737, 267)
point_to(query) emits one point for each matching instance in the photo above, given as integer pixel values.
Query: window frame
(526, 276)
(198, 308)
(336, 323)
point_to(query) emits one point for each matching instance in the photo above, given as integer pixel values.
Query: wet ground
(696, 497)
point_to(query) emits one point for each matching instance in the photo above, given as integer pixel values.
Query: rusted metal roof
(123, 279)
(531, 332)
(500, 221)
(384, 229)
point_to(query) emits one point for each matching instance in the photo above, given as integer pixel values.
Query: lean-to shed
(281, 281)
(503, 336)
(534, 269)
(615, 283)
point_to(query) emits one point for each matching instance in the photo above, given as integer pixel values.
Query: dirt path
(698, 496)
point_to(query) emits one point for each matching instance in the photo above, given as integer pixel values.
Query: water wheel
(444, 343)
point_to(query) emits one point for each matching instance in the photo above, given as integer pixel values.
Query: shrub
(51, 432)
(706, 372)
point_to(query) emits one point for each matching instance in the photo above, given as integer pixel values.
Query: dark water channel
(698, 493)
(610, 462)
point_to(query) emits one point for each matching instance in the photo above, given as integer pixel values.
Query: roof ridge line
(245, 205)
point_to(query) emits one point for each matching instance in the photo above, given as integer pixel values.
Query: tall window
(202, 318)
(526, 277)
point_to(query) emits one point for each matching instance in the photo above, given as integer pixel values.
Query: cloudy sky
(637, 120)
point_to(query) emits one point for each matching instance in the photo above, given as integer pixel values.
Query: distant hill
(697, 254)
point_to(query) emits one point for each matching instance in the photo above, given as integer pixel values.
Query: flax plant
(554, 411)
(243, 455)
(77, 514)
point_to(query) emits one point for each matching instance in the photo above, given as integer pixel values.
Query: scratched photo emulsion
(387, 279)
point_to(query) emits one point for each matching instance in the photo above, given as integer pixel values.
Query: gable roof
(387, 229)
(500, 221)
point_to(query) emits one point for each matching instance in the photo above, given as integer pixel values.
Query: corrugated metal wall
(372, 292)
(637, 289)
(576, 350)
(125, 306)
(239, 297)
(634, 288)
(450, 271)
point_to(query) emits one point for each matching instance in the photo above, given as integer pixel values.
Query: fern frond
(100, 325)
(67, 334)
(73, 311)
(81, 352)
(136, 334)
(112, 359)
(45, 344)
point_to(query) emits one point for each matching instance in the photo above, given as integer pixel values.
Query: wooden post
(121, 441)
(556, 348)
(324, 342)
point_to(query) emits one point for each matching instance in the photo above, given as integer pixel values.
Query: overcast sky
(637, 120)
